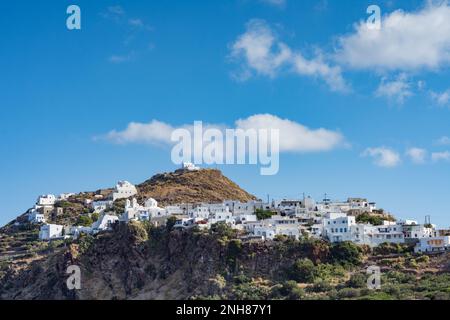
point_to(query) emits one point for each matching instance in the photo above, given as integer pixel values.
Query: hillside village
(356, 220)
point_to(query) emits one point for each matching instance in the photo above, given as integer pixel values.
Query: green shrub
(357, 280)
(223, 230)
(263, 214)
(369, 218)
(303, 270)
(321, 286)
(84, 221)
(288, 290)
(346, 253)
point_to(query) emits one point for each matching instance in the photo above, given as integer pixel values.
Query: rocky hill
(138, 261)
(207, 185)
(141, 261)
(19, 244)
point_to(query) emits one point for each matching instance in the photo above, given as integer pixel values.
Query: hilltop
(206, 185)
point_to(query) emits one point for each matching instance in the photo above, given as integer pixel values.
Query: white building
(240, 208)
(65, 196)
(337, 227)
(417, 231)
(104, 223)
(46, 200)
(376, 235)
(226, 217)
(75, 231)
(246, 218)
(34, 216)
(289, 206)
(270, 231)
(133, 211)
(101, 205)
(433, 244)
(188, 166)
(51, 231)
(199, 212)
(123, 190)
(361, 204)
(184, 222)
(174, 210)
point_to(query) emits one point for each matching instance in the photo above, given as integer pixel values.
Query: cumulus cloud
(441, 98)
(398, 89)
(383, 157)
(417, 155)
(260, 52)
(294, 137)
(440, 156)
(443, 141)
(276, 3)
(154, 132)
(406, 41)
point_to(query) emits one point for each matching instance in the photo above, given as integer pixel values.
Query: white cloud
(117, 59)
(441, 98)
(440, 156)
(417, 155)
(294, 137)
(260, 52)
(154, 132)
(398, 89)
(443, 141)
(406, 41)
(383, 157)
(276, 3)
(136, 22)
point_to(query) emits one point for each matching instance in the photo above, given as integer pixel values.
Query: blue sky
(179, 61)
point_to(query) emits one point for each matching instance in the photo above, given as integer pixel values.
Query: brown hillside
(207, 185)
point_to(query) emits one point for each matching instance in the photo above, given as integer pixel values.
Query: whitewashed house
(289, 206)
(270, 231)
(226, 217)
(51, 231)
(46, 200)
(134, 211)
(76, 231)
(152, 210)
(316, 230)
(201, 212)
(174, 210)
(184, 223)
(189, 166)
(361, 204)
(65, 196)
(376, 235)
(433, 244)
(417, 231)
(337, 227)
(104, 223)
(123, 190)
(101, 205)
(35, 216)
(239, 208)
(246, 218)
